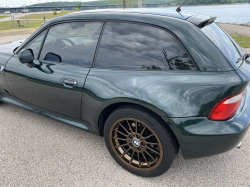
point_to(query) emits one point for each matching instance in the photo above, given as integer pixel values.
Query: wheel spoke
(129, 126)
(121, 145)
(151, 156)
(152, 150)
(126, 151)
(143, 130)
(152, 143)
(121, 139)
(124, 128)
(149, 136)
(146, 154)
(131, 159)
(138, 154)
(145, 159)
(120, 132)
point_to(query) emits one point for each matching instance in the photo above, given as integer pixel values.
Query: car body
(6, 12)
(180, 93)
(57, 9)
(25, 11)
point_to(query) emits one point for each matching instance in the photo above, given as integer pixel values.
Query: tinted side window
(132, 46)
(72, 43)
(36, 43)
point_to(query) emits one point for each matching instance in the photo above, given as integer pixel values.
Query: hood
(6, 50)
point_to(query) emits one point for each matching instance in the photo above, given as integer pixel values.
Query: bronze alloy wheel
(136, 144)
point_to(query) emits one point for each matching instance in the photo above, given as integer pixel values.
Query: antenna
(179, 7)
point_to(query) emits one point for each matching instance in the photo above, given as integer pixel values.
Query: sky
(17, 3)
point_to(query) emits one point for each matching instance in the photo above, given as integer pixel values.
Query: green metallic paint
(167, 93)
(183, 99)
(199, 136)
(41, 86)
(76, 123)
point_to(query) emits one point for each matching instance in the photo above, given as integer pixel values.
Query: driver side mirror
(26, 56)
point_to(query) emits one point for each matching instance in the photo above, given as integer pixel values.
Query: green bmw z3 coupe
(151, 81)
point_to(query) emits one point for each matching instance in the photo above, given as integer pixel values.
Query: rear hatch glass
(224, 42)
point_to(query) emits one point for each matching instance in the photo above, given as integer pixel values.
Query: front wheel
(139, 142)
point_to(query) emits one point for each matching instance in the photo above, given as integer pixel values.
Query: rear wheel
(138, 141)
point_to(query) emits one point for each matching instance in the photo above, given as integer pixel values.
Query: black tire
(166, 144)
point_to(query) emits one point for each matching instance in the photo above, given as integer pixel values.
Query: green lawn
(1, 16)
(47, 15)
(243, 41)
(6, 25)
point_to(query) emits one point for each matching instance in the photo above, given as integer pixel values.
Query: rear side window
(223, 41)
(132, 46)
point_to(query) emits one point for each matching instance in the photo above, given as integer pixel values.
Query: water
(238, 14)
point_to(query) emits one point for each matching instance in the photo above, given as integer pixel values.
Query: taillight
(226, 108)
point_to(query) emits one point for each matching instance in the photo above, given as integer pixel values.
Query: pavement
(38, 151)
(236, 29)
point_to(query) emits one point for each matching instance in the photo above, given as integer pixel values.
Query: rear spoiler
(200, 20)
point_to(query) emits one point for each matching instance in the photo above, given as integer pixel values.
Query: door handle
(69, 82)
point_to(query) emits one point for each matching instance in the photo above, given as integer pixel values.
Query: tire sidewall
(161, 132)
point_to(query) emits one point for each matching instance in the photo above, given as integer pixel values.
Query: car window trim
(146, 24)
(22, 46)
(67, 21)
(98, 43)
(44, 38)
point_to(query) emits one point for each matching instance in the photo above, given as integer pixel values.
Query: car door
(54, 82)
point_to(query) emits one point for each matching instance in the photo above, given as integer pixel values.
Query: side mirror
(53, 57)
(26, 56)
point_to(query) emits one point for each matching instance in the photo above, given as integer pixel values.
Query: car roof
(153, 11)
(194, 18)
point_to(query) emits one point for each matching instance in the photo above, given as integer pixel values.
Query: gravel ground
(239, 29)
(39, 151)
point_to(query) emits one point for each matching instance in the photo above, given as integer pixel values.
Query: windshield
(224, 42)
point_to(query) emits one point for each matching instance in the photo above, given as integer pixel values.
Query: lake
(239, 14)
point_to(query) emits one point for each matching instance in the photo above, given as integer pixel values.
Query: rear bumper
(200, 137)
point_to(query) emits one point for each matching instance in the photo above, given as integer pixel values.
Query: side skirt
(80, 124)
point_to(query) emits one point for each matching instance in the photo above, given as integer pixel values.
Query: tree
(79, 6)
(126, 3)
(54, 12)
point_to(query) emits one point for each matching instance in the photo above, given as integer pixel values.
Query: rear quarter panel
(167, 93)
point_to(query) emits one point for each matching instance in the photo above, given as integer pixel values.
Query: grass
(243, 41)
(3, 16)
(47, 15)
(7, 25)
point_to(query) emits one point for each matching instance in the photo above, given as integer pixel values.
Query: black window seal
(98, 43)
(57, 23)
(41, 47)
(31, 39)
(152, 25)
